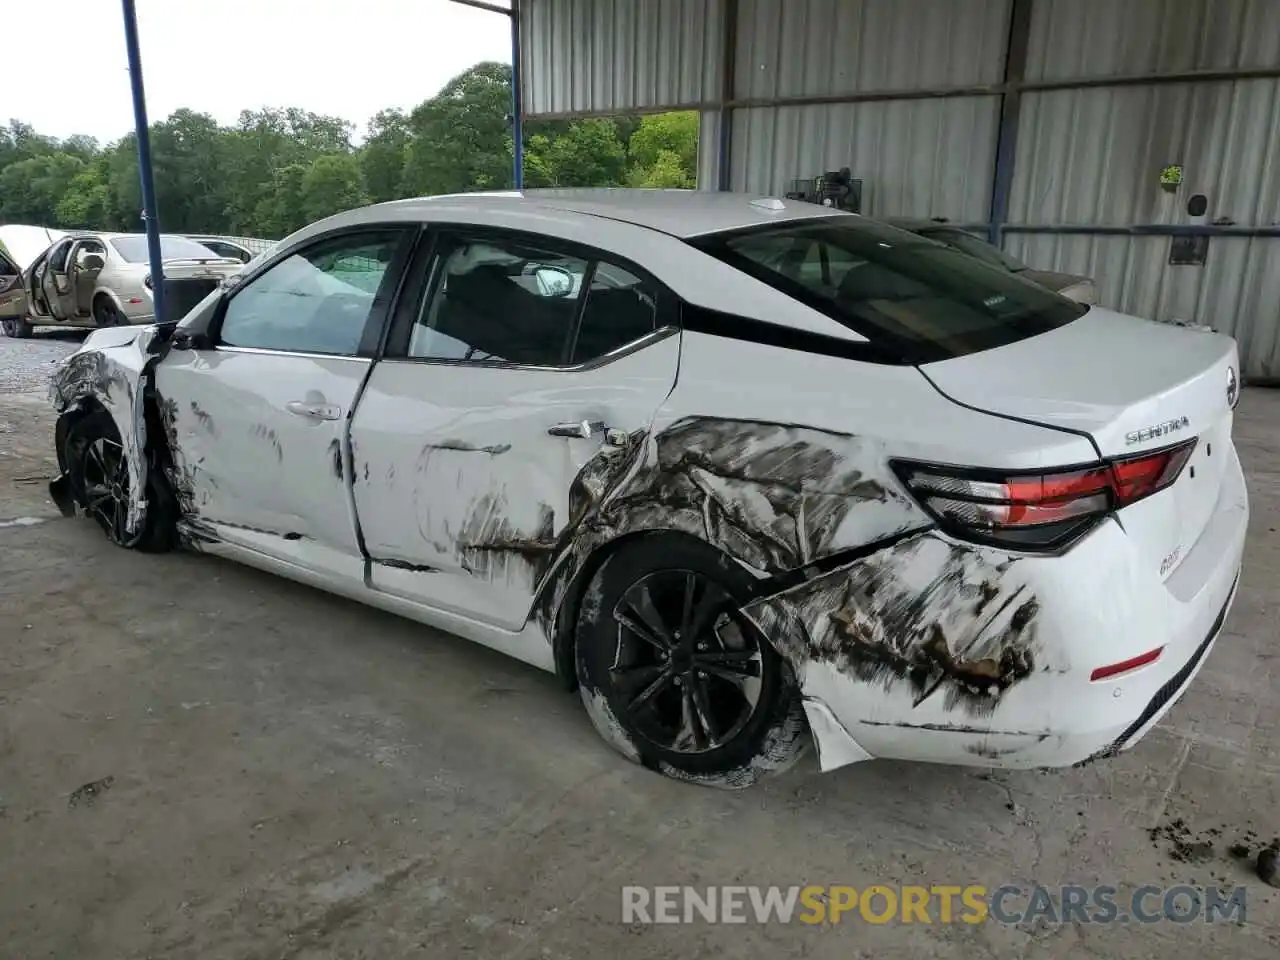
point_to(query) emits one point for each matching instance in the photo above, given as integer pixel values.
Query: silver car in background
(104, 280)
(1072, 286)
(243, 249)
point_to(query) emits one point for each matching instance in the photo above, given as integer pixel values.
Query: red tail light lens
(1038, 512)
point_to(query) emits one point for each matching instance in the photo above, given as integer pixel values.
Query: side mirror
(553, 281)
(190, 340)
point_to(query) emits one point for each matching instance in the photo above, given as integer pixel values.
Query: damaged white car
(747, 472)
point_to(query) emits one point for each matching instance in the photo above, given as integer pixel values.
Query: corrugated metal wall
(614, 56)
(1092, 156)
(923, 83)
(916, 157)
(856, 46)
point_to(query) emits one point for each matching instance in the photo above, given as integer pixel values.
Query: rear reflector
(1043, 511)
(1124, 666)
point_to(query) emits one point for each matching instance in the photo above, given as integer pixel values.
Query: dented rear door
(521, 365)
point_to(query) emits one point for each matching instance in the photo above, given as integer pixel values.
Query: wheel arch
(100, 293)
(564, 619)
(86, 406)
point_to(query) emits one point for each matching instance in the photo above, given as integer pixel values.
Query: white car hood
(25, 243)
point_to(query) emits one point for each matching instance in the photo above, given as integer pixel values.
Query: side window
(227, 250)
(499, 300)
(58, 258)
(317, 301)
(86, 247)
(7, 267)
(620, 308)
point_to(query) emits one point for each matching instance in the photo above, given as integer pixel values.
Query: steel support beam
(150, 214)
(517, 101)
(1015, 68)
(728, 63)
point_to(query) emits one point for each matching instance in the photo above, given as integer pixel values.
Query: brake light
(1042, 511)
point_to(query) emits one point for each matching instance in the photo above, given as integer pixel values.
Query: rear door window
(500, 301)
(922, 300)
(620, 309)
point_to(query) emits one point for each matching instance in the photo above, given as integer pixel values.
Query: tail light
(1044, 512)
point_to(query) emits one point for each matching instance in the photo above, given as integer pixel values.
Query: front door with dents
(258, 420)
(517, 363)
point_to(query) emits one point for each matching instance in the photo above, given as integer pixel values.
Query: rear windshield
(976, 247)
(134, 249)
(918, 300)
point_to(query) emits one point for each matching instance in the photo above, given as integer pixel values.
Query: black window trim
(384, 301)
(421, 281)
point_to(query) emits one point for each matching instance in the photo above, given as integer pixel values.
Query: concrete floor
(293, 775)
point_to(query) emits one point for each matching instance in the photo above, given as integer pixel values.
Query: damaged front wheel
(98, 471)
(675, 676)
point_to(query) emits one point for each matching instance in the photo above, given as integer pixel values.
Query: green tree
(461, 137)
(587, 154)
(279, 211)
(383, 155)
(663, 150)
(333, 183)
(192, 190)
(87, 202)
(30, 189)
(277, 168)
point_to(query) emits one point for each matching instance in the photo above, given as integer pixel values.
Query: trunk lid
(1130, 385)
(212, 269)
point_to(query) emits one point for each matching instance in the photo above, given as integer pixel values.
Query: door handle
(317, 411)
(578, 429)
(586, 429)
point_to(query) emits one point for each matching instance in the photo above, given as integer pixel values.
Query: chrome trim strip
(634, 346)
(222, 348)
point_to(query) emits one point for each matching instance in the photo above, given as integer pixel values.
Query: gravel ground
(25, 364)
(199, 760)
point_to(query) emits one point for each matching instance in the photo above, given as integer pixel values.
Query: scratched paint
(111, 368)
(927, 617)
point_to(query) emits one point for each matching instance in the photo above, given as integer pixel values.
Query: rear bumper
(967, 655)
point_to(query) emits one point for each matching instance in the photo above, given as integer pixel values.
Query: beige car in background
(104, 280)
(13, 300)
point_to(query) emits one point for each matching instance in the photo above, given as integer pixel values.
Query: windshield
(966, 242)
(919, 300)
(134, 249)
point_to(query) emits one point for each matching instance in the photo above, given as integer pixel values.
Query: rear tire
(106, 314)
(99, 479)
(675, 677)
(17, 327)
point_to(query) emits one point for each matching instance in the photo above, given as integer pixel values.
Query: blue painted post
(517, 101)
(150, 216)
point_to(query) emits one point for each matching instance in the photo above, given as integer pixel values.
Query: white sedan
(748, 472)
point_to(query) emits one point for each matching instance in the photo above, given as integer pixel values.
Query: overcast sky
(346, 58)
